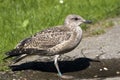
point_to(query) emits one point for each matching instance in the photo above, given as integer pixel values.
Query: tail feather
(18, 52)
(18, 58)
(6, 57)
(12, 53)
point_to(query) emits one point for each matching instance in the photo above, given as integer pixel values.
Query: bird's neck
(73, 27)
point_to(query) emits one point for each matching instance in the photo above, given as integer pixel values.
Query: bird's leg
(56, 65)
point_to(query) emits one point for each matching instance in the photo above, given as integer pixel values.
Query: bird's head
(75, 20)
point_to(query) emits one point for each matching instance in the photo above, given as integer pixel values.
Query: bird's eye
(76, 18)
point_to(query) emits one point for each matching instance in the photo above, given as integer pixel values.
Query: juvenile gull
(52, 41)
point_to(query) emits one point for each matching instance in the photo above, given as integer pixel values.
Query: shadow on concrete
(65, 66)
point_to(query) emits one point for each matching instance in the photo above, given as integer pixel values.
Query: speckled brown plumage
(52, 41)
(46, 39)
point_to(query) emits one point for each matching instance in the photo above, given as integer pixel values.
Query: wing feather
(41, 41)
(45, 39)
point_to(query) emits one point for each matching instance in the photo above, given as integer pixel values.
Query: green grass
(22, 18)
(98, 31)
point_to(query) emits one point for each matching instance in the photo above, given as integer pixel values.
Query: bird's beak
(87, 21)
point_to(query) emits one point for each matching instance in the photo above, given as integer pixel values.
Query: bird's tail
(18, 52)
(12, 53)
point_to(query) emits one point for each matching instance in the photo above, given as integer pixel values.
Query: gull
(53, 41)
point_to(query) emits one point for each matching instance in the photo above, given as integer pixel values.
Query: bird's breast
(76, 37)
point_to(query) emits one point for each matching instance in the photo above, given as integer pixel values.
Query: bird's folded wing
(41, 42)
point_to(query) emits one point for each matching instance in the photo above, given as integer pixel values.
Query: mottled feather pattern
(51, 41)
(45, 39)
